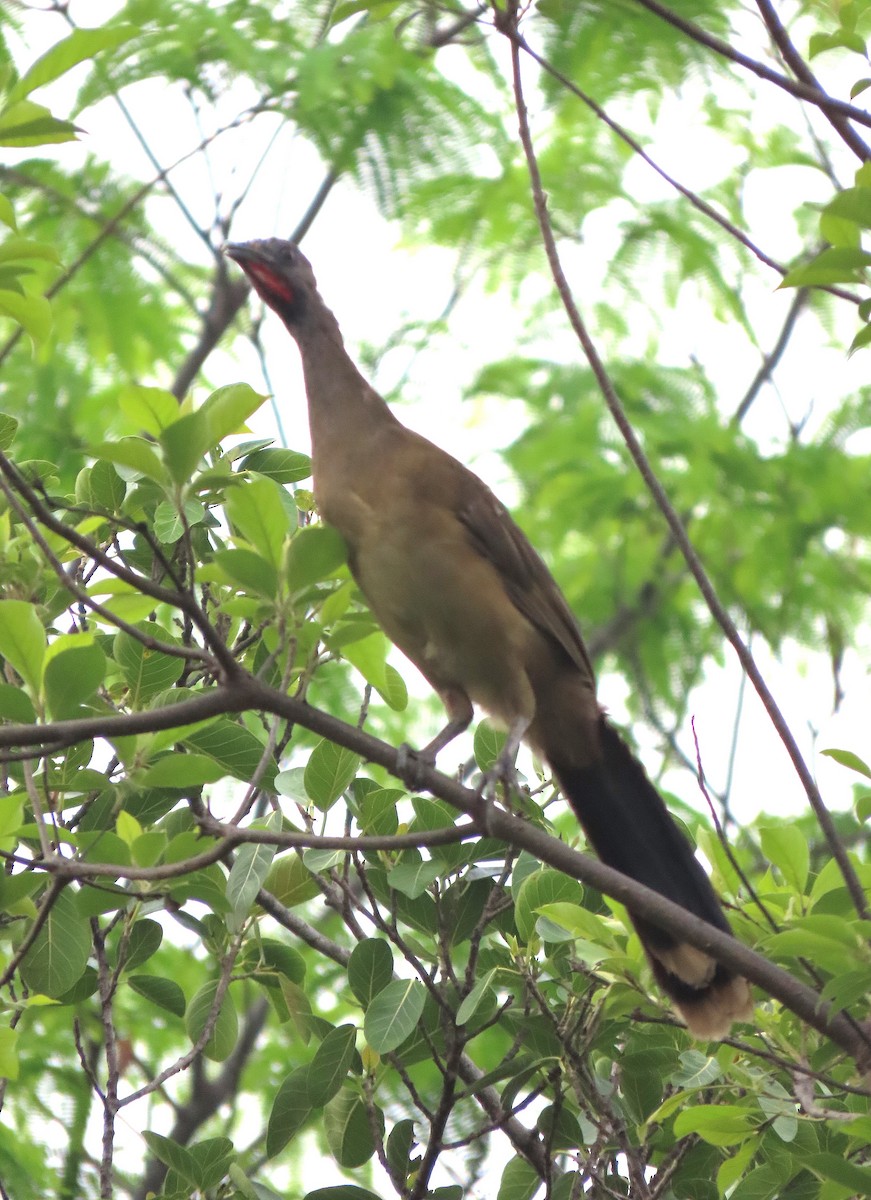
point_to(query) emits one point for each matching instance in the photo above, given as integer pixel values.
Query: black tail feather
(630, 828)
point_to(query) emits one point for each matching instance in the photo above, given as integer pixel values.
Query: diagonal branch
(248, 693)
(805, 75)
(645, 469)
(804, 91)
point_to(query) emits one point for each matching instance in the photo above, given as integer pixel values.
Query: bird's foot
(411, 763)
(502, 775)
(500, 780)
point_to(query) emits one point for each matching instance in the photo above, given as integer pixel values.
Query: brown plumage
(458, 587)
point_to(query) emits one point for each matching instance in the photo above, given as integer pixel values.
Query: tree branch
(805, 75)
(657, 491)
(416, 774)
(828, 104)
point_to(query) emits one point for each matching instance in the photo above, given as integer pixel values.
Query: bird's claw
(410, 764)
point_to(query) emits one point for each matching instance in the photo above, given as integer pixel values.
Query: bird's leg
(503, 770)
(460, 713)
(444, 737)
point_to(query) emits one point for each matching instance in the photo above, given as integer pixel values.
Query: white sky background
(373, 283)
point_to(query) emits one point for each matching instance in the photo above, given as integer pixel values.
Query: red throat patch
(271, 284)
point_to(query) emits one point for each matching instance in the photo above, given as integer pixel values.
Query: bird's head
(280, 274)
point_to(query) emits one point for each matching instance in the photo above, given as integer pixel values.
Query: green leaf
(370, 969)
(227, 410)
(165, 993)
(80, 45)
(314, 554)
(182, 771)
(348, 1127)
(831, 954)
(149, 409)
(847, 988)
(244, 1187)
(290, 881)
(233, 747)
(290, 1111)
(543, 887)
(248, 873)
(249, 570)
(854, 204)
(107, 488)
(488, 744)
(7, 213)
(72, 677)
(137, 455)
(519, 1181)
(223, 1038)
(329, 771)
(212, 1158)
(780, 1110)
(341, 1191)
(144, 940)
(171, 520)
(16, 705)
(787, 848)
(841, 264)
(179, 1158)
(482, 990)
(22, 640)
(284, 466)
(848, 759)
(862, 338)
(28, 124)
(716, 1124)
(830, 1166)
(33, 313)
(393, 1014)
(256, 509)
(146, 672)
(11, 818)
(8, 1053)
(762, 1183)
(413, 878)
(269, 955)
(16, 248)
(579, 921)
(184, 445)
(331, 1064)
(59, 954)
(369, 656)
(400, 1145)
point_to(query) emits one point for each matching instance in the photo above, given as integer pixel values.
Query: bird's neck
(343, 409)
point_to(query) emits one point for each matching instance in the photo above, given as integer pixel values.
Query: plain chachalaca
(457, 586)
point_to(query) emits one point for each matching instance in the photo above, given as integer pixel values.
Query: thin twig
(773, 357)
(724, 841)
(182, 1063)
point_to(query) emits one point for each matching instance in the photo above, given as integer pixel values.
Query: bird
(458, 587)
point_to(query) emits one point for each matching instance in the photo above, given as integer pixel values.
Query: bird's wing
(527, 580)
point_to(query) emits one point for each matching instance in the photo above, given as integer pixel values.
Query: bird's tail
(630, 828)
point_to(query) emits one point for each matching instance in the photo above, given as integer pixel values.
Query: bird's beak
(241, 252)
